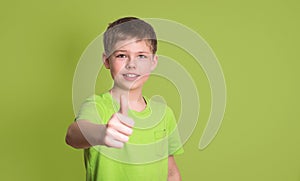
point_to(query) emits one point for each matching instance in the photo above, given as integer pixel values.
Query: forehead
(134, 45)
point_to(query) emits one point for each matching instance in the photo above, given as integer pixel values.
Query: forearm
(175, 176)
(84, 134)
(173, 171)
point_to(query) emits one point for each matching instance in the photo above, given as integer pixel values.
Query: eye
(142, 57)
(121, 56)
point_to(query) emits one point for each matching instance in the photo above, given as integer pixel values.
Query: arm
(84, 134)
(173, 171)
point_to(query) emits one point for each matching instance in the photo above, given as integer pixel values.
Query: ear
(154, 62)
(105, 61)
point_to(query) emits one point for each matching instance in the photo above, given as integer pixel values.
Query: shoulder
(160, 107)
(98, 100)
(92, 107)
(158, 103)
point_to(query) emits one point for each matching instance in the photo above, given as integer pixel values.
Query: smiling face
(130, 64)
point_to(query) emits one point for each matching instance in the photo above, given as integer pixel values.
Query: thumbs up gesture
(119, 127)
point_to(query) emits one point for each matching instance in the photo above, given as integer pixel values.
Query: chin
(138, 84)
(134, 87)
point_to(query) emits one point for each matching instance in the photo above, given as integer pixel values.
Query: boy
(121, 137)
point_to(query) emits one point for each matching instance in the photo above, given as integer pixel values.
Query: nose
(130, 64)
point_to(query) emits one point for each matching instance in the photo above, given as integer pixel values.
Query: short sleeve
(174, 141)
(90, 111)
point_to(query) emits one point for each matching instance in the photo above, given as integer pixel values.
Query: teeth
(131, 75)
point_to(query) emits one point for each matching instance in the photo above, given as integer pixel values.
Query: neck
(134, 97)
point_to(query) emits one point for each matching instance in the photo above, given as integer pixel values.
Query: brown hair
(128, 28)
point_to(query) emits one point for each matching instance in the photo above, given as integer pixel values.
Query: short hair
(128, 28)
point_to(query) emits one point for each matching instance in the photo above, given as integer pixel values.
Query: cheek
(144, 78)
(116, 68)
(141, 80)
(147, 72)
(145, 67)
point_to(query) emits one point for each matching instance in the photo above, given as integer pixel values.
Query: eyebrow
(143, 52)
(121, 51)
(136, 52)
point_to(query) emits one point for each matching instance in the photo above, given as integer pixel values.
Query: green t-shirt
(145, 156)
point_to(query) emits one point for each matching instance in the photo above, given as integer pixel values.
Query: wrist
(100, 134)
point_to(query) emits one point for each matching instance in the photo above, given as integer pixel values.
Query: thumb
(123, 105)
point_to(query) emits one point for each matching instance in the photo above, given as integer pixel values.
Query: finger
(113, 143)
(123, 105)
(117, 124)
(125, 120)
(124, 129)
(114, 134)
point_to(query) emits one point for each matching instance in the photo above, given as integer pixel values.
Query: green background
(256, 42)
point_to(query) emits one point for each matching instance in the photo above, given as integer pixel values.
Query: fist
(119, 127)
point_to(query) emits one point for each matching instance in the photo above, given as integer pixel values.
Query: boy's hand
(119, 127)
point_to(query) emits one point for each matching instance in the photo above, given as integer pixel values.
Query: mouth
(131, 76)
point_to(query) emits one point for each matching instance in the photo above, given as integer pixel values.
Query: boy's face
(130, 63)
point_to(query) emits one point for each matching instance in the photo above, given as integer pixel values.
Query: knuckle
(107, 141)
(109, 131)
(110, 124)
